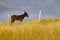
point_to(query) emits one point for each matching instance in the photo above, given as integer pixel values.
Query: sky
(49, 9)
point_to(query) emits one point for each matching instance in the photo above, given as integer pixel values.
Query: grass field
(48, 29)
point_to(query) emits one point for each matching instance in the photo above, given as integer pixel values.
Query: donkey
(19, 17)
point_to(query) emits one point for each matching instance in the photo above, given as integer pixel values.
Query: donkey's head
(26, 14)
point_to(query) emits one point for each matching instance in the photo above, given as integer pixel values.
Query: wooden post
(39, 15)
(8, 17)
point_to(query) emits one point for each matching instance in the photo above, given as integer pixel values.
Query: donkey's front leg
(20, 20)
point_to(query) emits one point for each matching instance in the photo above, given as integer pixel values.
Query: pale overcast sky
(49, 8)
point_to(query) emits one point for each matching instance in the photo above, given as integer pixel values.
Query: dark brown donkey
(19, 17)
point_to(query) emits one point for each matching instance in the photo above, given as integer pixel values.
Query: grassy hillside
(48, 29)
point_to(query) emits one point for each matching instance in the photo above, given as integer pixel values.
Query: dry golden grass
(48, 29)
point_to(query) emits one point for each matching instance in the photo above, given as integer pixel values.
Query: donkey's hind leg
(20, 20)
(12, 20)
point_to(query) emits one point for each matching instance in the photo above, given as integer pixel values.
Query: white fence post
(39, 15)
(8, 17)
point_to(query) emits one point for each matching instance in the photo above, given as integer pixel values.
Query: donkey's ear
(24, 11)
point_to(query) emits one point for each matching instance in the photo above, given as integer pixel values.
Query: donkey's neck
(23, 16)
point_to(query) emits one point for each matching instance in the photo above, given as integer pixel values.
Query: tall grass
(34, 30)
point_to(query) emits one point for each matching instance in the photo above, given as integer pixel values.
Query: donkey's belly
(18, 19)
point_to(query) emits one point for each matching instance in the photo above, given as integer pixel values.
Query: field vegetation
(46, 29)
